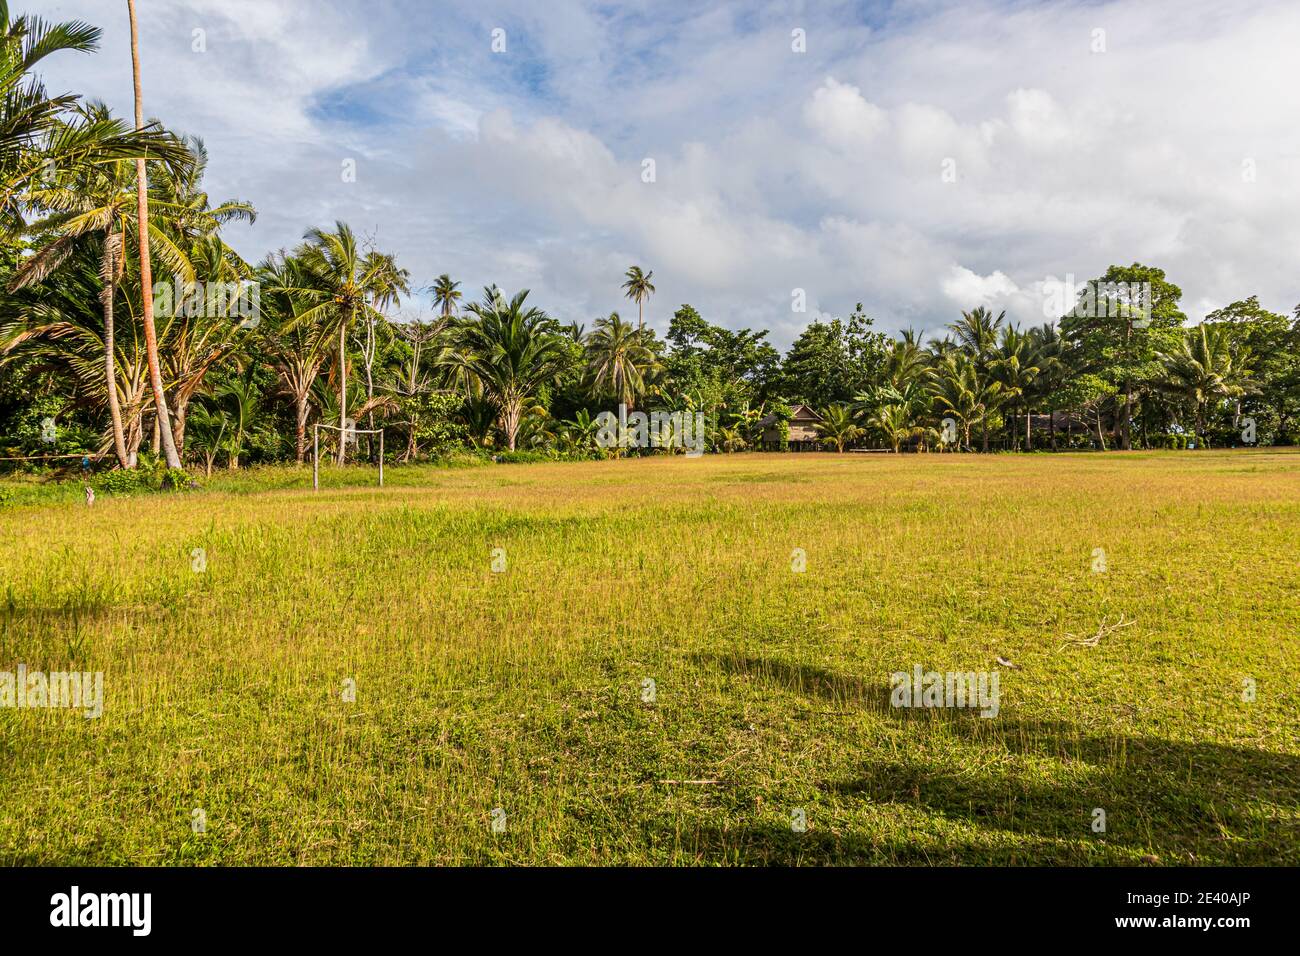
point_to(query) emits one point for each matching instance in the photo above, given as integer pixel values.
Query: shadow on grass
(801, 678)
(1171, 801)
(1177, 800)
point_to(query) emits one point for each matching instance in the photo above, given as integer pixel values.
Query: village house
(803, 430)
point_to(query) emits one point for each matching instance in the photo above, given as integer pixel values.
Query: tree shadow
(804, 679)
(1042, 781)
(1179, 800)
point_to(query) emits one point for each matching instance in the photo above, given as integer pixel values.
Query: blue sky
(921, 157)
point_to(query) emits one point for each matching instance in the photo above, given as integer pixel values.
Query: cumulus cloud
(838, 112)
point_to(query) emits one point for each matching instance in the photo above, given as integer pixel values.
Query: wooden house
(803, 430)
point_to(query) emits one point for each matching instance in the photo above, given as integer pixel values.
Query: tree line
(221, 362)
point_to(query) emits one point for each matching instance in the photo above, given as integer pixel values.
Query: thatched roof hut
(803, 428)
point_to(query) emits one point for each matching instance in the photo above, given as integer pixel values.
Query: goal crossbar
(347, 433)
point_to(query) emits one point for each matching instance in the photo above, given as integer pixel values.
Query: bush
(520, 457)
(176, 479)
(150, 475)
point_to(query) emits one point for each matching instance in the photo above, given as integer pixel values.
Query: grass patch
(523, 689)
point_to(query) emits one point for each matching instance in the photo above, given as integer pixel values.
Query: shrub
(150, 475)
(520, 457)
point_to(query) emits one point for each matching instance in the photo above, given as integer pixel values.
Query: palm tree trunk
(510, 422)
(300, 435)
(178, 426)
(112, 249)
(146, 266)
(343, 391)
(1029, 428)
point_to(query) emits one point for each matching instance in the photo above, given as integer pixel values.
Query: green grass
(522, 690)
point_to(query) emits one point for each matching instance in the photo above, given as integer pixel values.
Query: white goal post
(346, 435)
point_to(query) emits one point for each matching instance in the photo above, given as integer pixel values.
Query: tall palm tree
(58, 324)
(91, 199)
(959, 391)
(1204, 370)
(342, 283)
(1014, 369)
(446, 295)
(415, 381)
(638, 288)
(391, 283)
(1049, 355)
(196, 339)
(510, 351)
(977, 334)
(98, 200)
(297, 350)
(617, 360)
(146, 264)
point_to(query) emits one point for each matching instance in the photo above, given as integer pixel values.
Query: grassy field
(523, 690)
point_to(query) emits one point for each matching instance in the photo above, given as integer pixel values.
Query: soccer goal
(348, 436)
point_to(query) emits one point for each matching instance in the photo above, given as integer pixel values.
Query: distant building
(803, 429)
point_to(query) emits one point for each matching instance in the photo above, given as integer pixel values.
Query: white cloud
(843, 118)
(775, 170)
(964, 286)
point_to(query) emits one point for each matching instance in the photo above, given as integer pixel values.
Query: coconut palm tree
(296, 350)
(1049, 355)
(638, 288)
(100, 200)
(146, 263)
(511, 351)
(60, 324)
(977, 335)
(91, 199)
(1204, 371)
(415, 381)
(341, 284)
(446, 295)
(838, 428)
(959, 391)
(894, 423)
(1013, 368)
(391, 283)
(617, 361)
(201, 331)
(190, 216)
